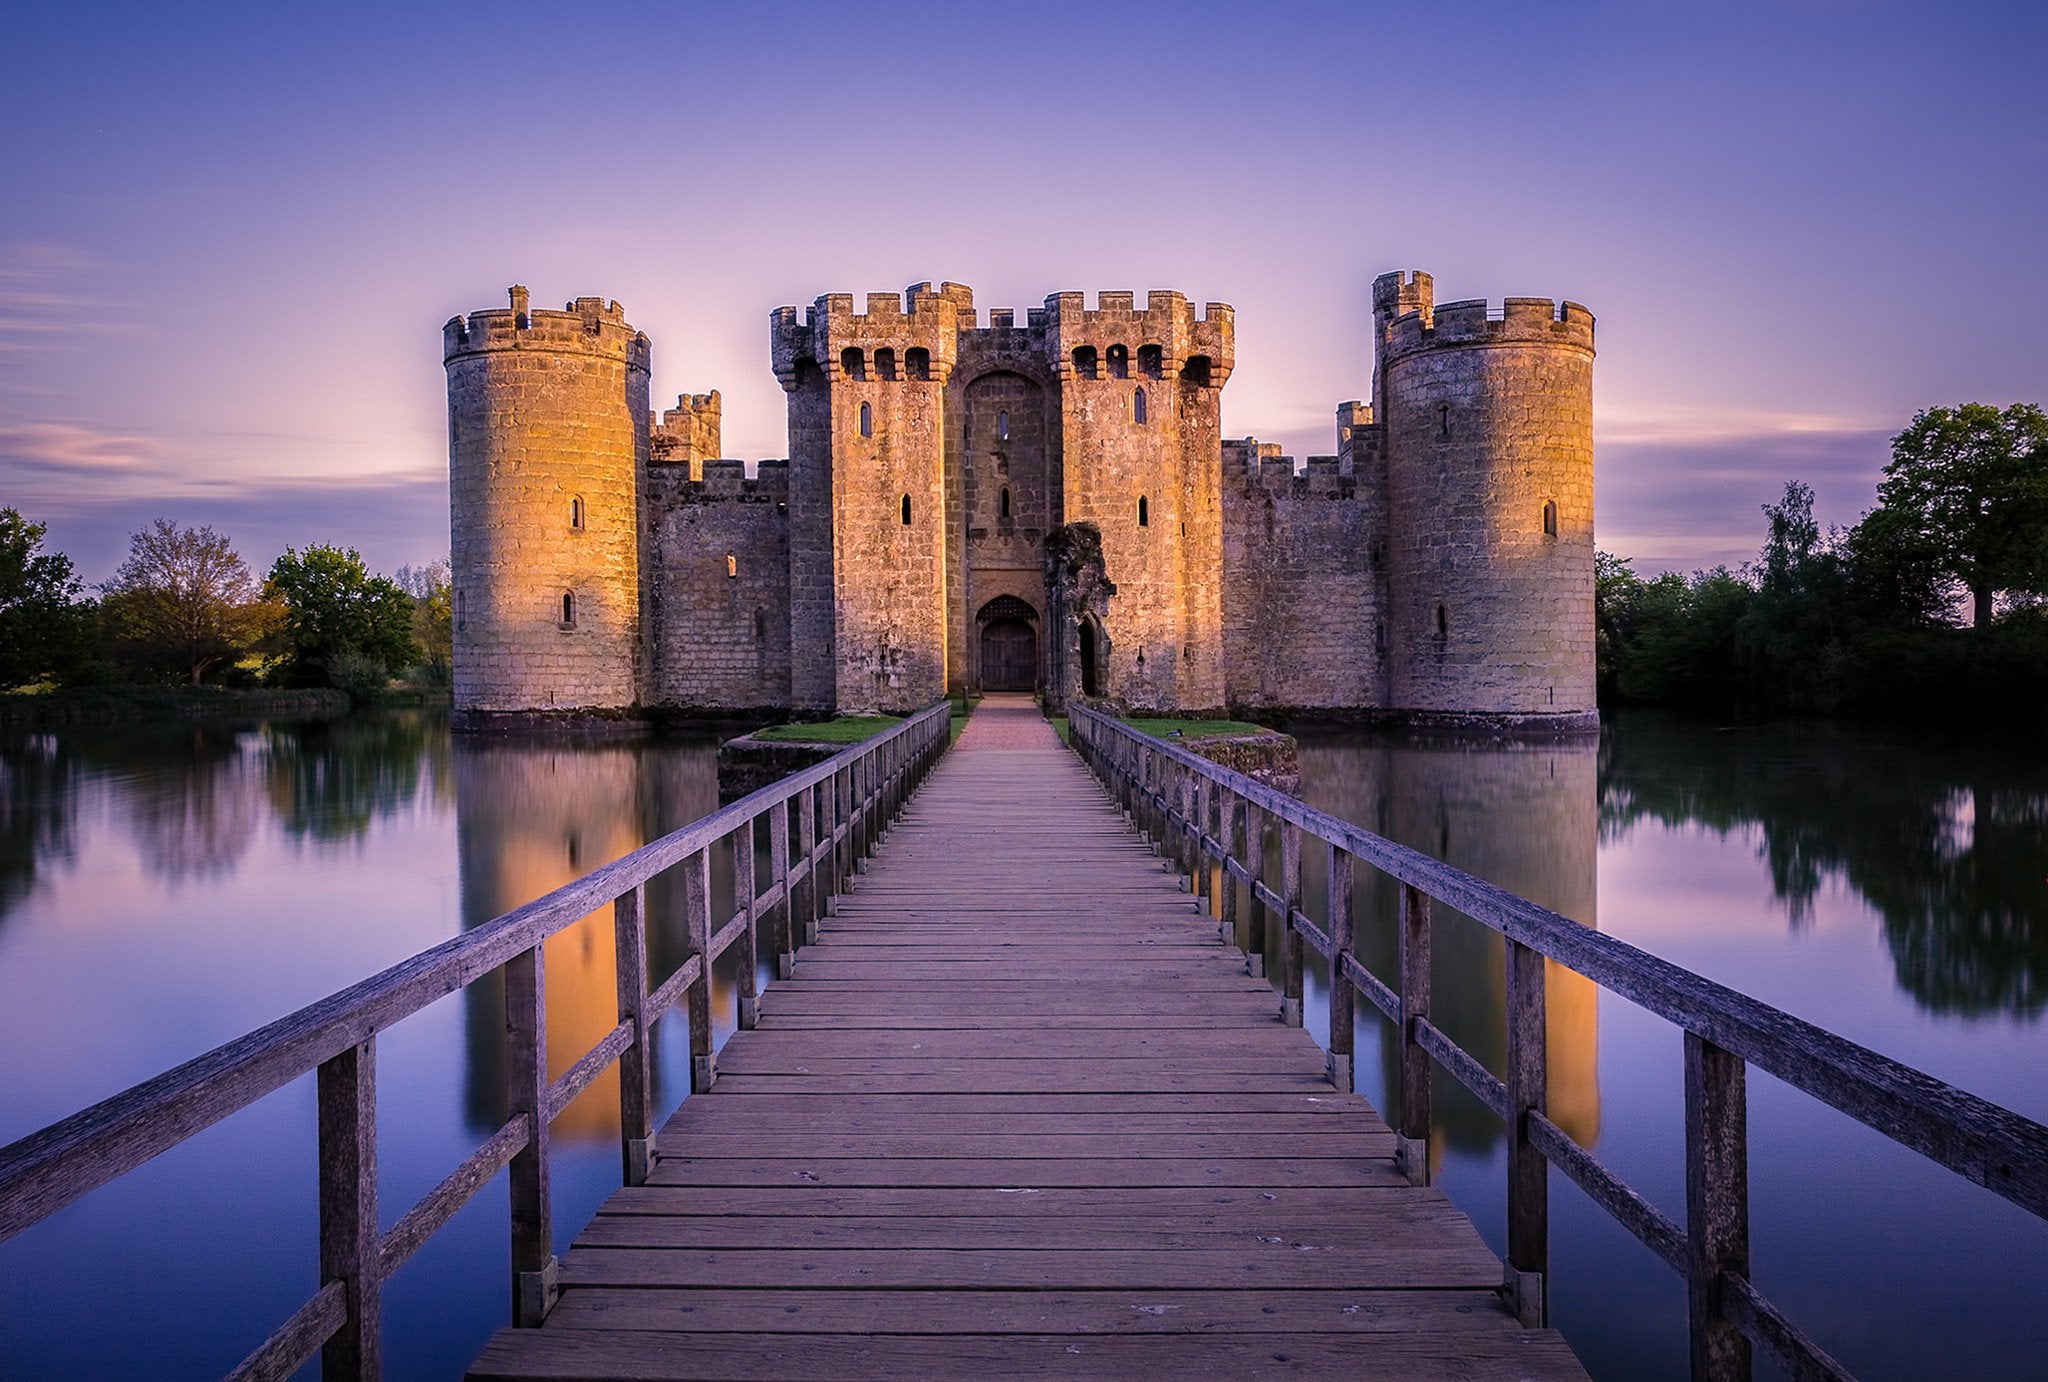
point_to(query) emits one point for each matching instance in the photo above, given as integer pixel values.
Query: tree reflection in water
(1944, 836)
(38, 812)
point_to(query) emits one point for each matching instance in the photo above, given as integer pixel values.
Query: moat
(162, 891)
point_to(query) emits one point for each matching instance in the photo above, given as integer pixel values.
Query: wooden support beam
(636, 1098)
(1716, 1205)
(1413, 1124)
(1290, 937)
(696, 879)
(534, 1275)
(1528, 1173)
(347, 1095)
(1338, 1041)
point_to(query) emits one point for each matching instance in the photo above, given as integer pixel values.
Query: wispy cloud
(51, 298)
(69, 448)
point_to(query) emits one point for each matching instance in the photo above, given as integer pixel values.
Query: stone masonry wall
(718, 571)
(547, 416)
(1489, 420)
(1141, 482)
(1304, 591)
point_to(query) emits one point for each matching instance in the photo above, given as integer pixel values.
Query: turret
(1142, 453)
(867, 494)
(1488, 419)
(547, 437)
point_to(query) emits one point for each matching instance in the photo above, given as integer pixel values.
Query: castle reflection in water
(533, 816)
(1523, 816)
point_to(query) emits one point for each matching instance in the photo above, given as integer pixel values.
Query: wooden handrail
(1725, 1032)
(842, 806)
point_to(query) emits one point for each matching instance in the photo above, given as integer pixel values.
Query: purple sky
(230, 234)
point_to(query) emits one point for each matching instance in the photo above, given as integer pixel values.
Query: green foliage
(183, 604)
(1861, 621)
(847, 729)
(337, 616)
(433, 619)
(46, 629)
(1969, 485)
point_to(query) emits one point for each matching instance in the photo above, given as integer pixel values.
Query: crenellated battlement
(687, 434)
(1474, 322)
(587, 326)
(844, 343)
(1251, 466)
(1167, 325)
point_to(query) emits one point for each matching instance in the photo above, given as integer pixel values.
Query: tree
(183, 602)
(433, 620)
(338, 617)
(1971, 484)
(45, 628)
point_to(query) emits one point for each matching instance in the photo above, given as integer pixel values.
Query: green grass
(847, 729)
(1195, 729)
(1059, 725)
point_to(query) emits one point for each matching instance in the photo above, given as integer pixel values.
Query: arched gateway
(1009, 645)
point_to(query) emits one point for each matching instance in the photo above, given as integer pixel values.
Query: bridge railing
(1199, 813)
(836, 809)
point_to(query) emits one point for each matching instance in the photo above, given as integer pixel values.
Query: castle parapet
(1517, 321)
(1255, 467)
(587, 326)
(687, 434)
(908, 337)
(1167, 324)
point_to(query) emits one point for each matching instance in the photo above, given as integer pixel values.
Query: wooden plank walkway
(1020, 1112)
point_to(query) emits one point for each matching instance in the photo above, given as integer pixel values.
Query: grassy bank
(847, 729)
(1195, 729)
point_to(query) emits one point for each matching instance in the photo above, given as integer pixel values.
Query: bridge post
(747, 902)
(347, 1093)
(636, 1121)
(1229, 830)
(534, 1273)
(778, 878)
(696, 871)
(1342, 1071)
(1528, 1169)
(1413, 1124)
(1290, 934)
(1255, 866)
(1205, 812)
(814, 867)
(1716, 1204)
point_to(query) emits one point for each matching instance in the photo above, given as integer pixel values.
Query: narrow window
(568, 609)
(461, 613)
(1144, 512)
(1196, 371)
(1443, 622)
(1138, 407)
(1443, 420)
(1084, 361)
(1003, 503)
(1151, 361)
(885, 363)
(1119, 362)
(732, 566)
(760, 626)
(1002, 426)
(867, 421)
(906, 511)
(576, 513)
(1550, 518)
(852, 363)
(917, 363)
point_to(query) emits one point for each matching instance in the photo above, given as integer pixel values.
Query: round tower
(547, 440)
(1489, 418)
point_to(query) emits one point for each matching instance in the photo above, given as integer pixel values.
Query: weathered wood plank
(638, 1356)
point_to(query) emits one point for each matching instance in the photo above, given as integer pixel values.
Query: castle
(1048, 506)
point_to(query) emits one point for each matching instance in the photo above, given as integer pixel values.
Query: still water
(162, 891)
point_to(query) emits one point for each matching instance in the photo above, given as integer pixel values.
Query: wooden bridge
(1020, 1111)
(1018, 1107)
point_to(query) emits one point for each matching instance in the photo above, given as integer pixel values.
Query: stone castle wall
(1489, 439)
(718, 576)
(547, 421)
(1304, 586)
(1439, 565)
